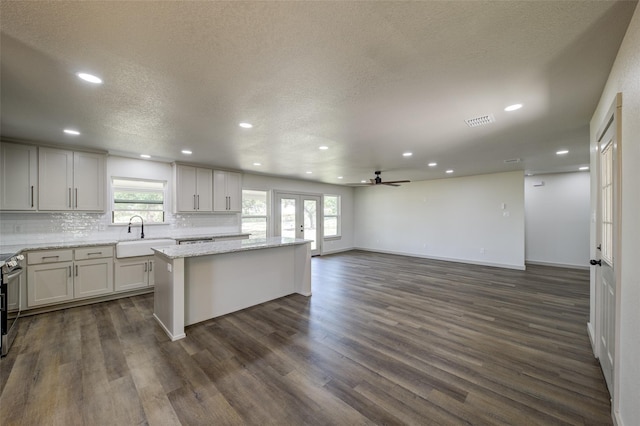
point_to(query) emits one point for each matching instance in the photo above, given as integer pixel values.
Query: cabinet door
(89, 181)
(234, 191)
(151, 274)
(93, 277)
(204, 190)
(219, 191)
(185, 188)
(132, 273)
(55, 179)
(49, 283)
(18, 177)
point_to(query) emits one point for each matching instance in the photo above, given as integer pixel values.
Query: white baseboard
(342, 250)
(166, 330)
(592, 338)
(557, 265)
(447, 259)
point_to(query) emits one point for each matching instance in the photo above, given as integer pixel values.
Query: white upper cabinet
(71, 180)
(227, 191)
(193, 189)
(18, 177)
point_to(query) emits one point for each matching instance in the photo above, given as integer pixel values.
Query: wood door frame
(612, 118)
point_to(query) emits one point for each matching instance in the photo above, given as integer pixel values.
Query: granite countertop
(208, 236)
(220, 247)
(17, 249)
(52, 246)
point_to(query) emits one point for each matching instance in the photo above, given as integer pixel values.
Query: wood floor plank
(383, 340)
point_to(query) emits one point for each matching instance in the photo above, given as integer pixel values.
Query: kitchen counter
(16, 249)
(220, 247)
(197, 282)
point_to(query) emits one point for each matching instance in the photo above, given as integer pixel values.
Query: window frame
(266, 216)
(338, 217)
(165, 200)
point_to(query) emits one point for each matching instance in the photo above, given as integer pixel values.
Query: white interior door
(607, 253)
(298, 216)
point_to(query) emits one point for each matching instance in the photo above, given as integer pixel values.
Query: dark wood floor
(383, 340)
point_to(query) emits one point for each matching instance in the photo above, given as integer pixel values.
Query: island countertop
(220, 247)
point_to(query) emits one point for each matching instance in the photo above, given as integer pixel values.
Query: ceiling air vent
(480, 121)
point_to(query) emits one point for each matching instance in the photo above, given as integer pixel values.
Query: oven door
(11, 302)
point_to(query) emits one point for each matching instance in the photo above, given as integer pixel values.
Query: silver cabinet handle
(94, 253)
(69, 197)
(198, 201)
(150, 265)
(69, 270)
(76, 270)
(194, 201)
(50, 257)
(145, 266)
(31, 195)
(76, 198)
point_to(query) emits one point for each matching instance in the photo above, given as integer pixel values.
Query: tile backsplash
(20, 228)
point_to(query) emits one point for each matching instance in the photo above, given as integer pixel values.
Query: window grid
(331, 216)
(606, 182)
(131, 197)
(255, 213)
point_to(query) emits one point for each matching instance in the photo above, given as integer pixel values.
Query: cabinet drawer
(93, 252)
(49, 256)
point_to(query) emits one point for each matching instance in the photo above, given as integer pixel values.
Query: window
(606, 182)
(255, 213)
(331, 216)
(144, 198)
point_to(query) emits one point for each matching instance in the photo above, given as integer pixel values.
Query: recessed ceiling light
(308, 172)
(449, 171)
(323, 147)
(71, 132)
(145, 156)
(563, 152)
(340, 177)
(363, 181)
(584, 168)
(89, 77)
(432, 164)
(513, 107)
(257, 164)
(407, 154)
(186, 152)
(245, 125)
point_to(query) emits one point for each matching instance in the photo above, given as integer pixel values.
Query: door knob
(596, 262)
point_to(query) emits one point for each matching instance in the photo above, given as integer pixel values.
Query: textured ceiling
(369, 80)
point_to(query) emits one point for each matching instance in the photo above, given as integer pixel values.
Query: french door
(607, 275)
(298, 216)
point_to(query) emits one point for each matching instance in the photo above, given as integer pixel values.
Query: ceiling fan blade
(358, 184)
(397, 181)
(390, 184)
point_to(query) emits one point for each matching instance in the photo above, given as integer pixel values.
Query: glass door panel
(311, 221)
(288, 217)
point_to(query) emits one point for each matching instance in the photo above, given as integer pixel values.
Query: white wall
(625, 78)
(269, 183)
(452, 219)
(557, 217)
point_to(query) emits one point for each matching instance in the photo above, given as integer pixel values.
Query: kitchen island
(197, 282)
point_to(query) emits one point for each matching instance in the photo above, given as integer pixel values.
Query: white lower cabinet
(134, 272)
(53, 276)
(49, 283)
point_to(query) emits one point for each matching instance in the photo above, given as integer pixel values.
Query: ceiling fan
(378, 181)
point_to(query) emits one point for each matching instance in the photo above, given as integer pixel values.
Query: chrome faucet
(141, 225)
